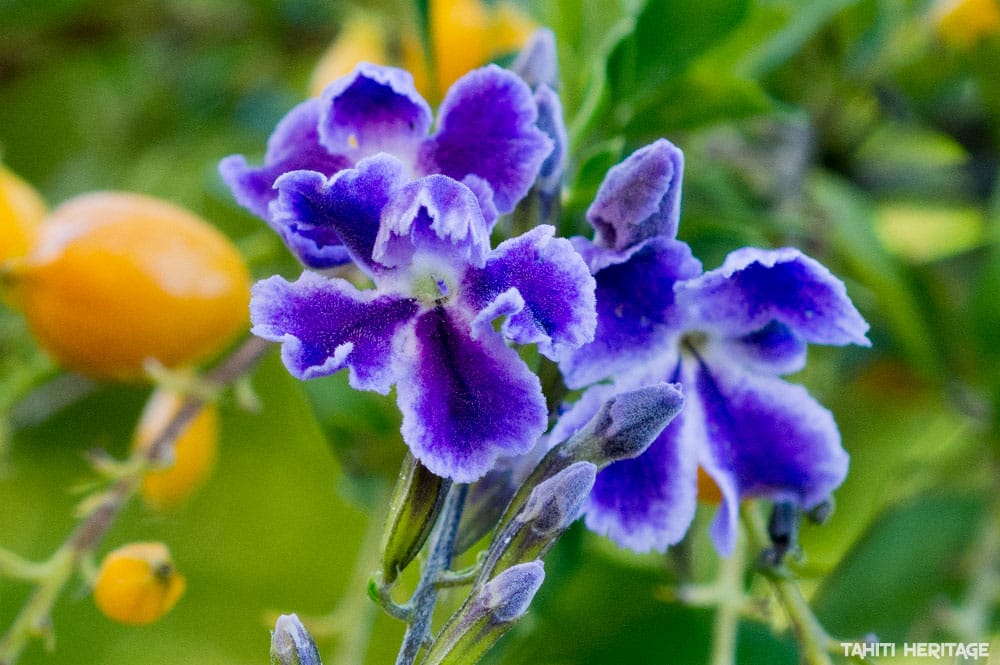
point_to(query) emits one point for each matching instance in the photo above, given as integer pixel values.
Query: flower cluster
(725, 336)
(353, 176)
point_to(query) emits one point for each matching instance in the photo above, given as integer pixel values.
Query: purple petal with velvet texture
(774, 349)
(374, 109)
(464, 401)
(325, 325)
(543, 287)
(647, 503)
(640, 198)
(484, 194)
(436, 216)
(486, 127)
(322, 219)
(765, 437)
(293, 145)
(636, 317)
(754, 287)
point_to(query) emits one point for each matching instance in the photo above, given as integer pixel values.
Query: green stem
(730, 606)
(970, 620)
(33, 620)
(34, 617)
(355, 615)
(424, 598)
(17, 567)
(578, 128)
(813, 639)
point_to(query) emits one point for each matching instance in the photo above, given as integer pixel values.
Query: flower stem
(730, 606)
(33, 618)
(354, 616)
(424, 599)
(814, 642)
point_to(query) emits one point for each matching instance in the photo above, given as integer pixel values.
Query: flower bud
(626, 424)
(550, 509)
(490, 613)
(622, 428)
(416, 502)
(548, 185)
(537, 62)
(291, 643)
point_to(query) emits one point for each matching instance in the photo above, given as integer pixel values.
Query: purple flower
(427, 327)
(725, 335)
(334, 162)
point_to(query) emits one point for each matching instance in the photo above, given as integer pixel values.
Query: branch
(33, 620)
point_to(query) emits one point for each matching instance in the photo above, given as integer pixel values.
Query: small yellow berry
(115, 279)
(137, 584)
(467, 34)
(21, 211)
(962, 23)
(360, 40)
(193, 456)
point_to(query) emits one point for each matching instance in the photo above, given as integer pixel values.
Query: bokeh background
(865, 132)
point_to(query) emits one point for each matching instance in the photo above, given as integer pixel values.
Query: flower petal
(434, 216)
(764, 438)
(754, 287)
(374, 109)
(486, 127)
(636, 317)
(640, 198)
(543, 287)
(774, 349)
(325, 325)
(646, 502)
(294, 145)
(325, 221)
(466, 401)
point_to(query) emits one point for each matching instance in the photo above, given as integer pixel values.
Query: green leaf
(798, 21)
(851, 229)
(587, 33)
(616, 610)
(906, 559)
(921, 232)
(361, 427)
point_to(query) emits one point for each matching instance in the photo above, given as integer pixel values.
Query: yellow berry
(21, 210)
(468, 33)
(115, 279)
(137, 584)
(194, 451)
(964, 22)
(360, 40)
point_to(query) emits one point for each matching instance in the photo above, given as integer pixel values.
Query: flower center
(693, 342)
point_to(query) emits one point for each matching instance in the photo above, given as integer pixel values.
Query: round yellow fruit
(21, 211)
(115, 279)
(137, 584)
(194, 451)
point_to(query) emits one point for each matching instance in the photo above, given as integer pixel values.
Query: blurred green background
(865, 132)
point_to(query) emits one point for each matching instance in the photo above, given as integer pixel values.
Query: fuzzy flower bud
(291, 643)
(490, 613)
(625, 426)
(550, 509)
